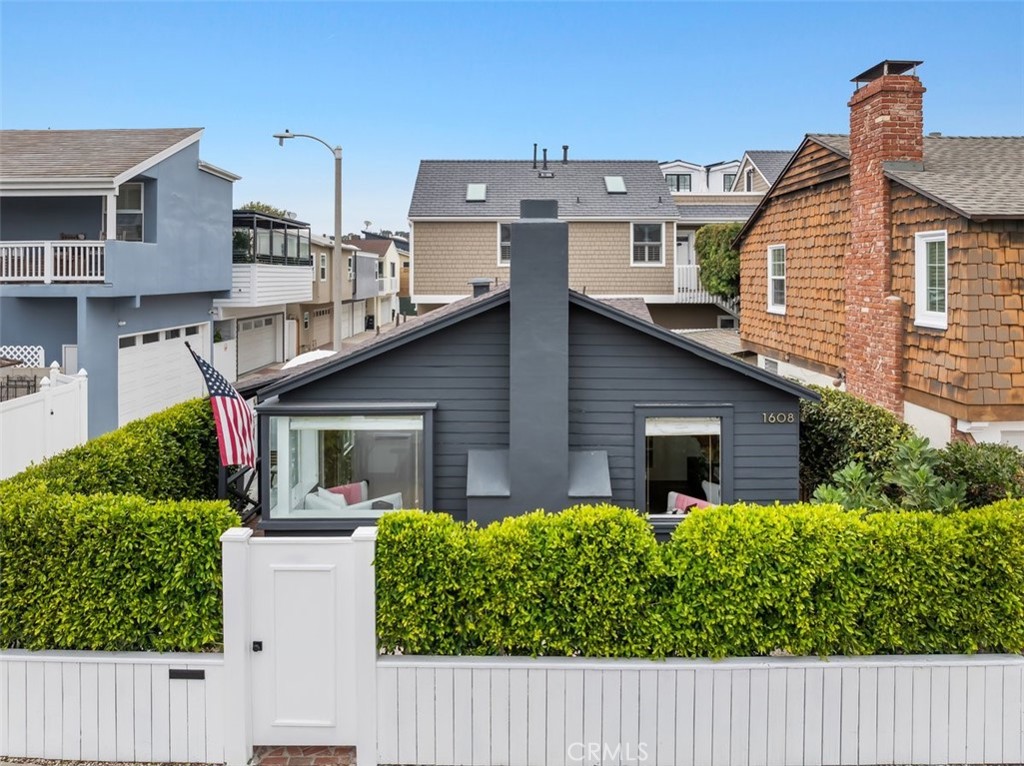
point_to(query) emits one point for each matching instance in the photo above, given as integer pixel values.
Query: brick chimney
(886, 125)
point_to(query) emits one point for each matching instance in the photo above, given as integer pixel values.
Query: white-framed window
(931, 279)
(305, 320)
(777, 279)
(679, 182)
(392, 269)
(728, 179)
(504, 244)
(323, 267)
(645, 245)
(130, 217)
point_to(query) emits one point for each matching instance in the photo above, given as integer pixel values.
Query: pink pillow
(686, 502)
(353, 493)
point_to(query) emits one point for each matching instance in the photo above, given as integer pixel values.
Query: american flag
(232, 415)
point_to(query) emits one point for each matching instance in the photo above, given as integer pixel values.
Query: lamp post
(336, 151)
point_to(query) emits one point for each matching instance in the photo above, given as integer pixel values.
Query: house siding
(449, 254)
(464, 369)
(613, 368)
(813, 221)
(975, 368)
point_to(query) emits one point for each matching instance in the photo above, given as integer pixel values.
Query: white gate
(300, 640)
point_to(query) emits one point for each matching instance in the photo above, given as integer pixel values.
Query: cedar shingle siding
(979, 360)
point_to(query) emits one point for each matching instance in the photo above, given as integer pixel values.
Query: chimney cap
(887, 67)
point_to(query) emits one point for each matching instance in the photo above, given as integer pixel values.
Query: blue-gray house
(113, 244)
(524, 396)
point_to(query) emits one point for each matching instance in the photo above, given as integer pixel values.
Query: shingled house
(893, 261)
(526, 396)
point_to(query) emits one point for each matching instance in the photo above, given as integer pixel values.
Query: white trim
(157, 158)
(659, 299)
(582, 219)
(322, 266)
(437, 298)
(776, 308)
(692, 221)
(937, 320)
(213, 170)
(632, 244)
(679, 191)
(501, 263)
(668, 167)
(739, 197)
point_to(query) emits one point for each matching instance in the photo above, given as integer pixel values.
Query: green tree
(719, 263)
(263, 207)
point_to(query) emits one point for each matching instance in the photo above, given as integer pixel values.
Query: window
(727, 181)
(476, 192)
(749, 182)
(726, 322)
(151, 337)
(126, 342)
(931, 279)
(504, 244)
(194, 330)
(347, 466)
(172, 334)
(305, 320)
(351, 273)
(392, 269)
(777, 279)
(680, 182)
(323, 267)
(681, 456)
(129, 212)
(647, 244)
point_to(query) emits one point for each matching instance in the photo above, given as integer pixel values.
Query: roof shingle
(770, 162)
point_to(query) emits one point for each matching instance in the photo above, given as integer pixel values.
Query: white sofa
(328, 504)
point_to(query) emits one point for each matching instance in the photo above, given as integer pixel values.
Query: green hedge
(171, 455)
(733, 580)
(109, 572)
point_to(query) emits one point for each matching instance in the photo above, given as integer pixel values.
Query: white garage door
(155, 370)
(257, 343)
(322, 320)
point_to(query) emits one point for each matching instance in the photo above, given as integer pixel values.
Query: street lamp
(336, 151)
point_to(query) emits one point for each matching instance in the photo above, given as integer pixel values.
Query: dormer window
(615, 184)
(680, 182)
(476, 192)
(728, 179)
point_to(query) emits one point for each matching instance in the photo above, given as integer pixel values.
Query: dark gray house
(522, 397)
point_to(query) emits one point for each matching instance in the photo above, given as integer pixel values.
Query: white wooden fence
(39, 425)
(49, 261)
(564, 711)
(112, 706)
(300, 667)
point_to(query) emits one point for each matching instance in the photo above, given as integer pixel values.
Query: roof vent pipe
(545, 159)
(535, 156)
(565, 154)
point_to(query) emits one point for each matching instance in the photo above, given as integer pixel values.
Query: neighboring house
(526, 396)
(622, 231)
(337, 309)
(401, 240)
(271, 267)
(383, 307)
(894, 261)
(114, 243)
(759, 169)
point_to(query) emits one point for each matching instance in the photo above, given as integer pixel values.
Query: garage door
(322, 319)
(257, 343)
(155, 370)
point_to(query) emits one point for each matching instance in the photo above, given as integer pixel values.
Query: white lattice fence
(30, 356)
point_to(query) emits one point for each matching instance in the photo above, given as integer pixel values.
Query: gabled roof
(94, 154)
(464, 309)
(578, 186)
(769, 162)
(376, 246)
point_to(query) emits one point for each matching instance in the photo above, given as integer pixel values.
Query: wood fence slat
(556, 724)
(758, 741)
(481, 717)
(195, 690)
(831, 714)
(903, 700)
(160, 700)
(1013, 715)
(776, 716)
(938, 749)
(739, 734)
(975, 734)
(53, 710)
(499, 717)
(537, 716)
(464, 725)
(89, 712)
(993, 714)
(407, 718)
(849, 735)
(142, 712)
(178, 719)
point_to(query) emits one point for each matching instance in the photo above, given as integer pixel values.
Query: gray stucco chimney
(539, 358)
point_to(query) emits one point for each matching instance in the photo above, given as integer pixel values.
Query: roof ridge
(555, 162)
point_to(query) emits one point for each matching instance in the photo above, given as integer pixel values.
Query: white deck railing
(688, 285)
(57, 261)
(387, 285)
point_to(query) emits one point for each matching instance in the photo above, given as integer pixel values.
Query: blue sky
(395, 83)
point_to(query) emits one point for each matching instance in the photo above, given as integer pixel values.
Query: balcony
(689, 288)
(46, 262)
(270, 261)
(387, 285)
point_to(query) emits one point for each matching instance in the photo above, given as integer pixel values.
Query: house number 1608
(779, 417)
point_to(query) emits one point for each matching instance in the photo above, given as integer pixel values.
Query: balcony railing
(47, 262)
(387, 285)
(688, 286)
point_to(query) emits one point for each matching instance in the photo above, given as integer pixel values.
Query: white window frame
(773, 307)
(504, 261)
(126, 211)
(937, 320)
(323, 267)
(632, 245)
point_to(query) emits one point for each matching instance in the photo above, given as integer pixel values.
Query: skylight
(615, 184)
(476, 192)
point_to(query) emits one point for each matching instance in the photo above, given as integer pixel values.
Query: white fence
(39, 425)
(30, 356)
(46, 261)
(112, 706)
(300, 667)
(744, 712)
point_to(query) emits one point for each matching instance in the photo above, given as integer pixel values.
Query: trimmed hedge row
(733, 580)
(171, 455)
(109, 572)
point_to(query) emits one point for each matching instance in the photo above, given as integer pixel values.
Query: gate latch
(257, 646)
